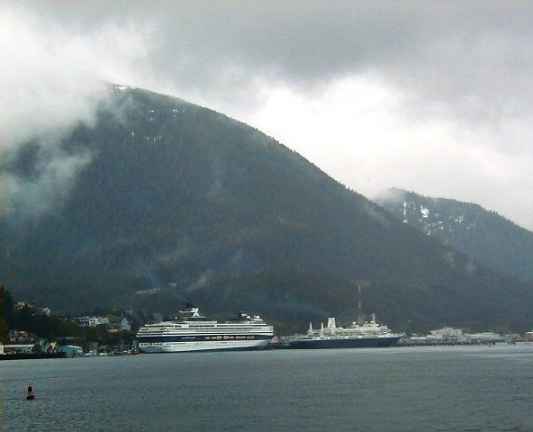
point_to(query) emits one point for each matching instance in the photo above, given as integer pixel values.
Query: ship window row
(207, 338)
(204, 324)
(197, 334)
(209, 330)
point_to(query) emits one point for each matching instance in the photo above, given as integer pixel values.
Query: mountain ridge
(485, 235)
(180, 203)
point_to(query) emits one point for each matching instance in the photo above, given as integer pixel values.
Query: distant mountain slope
(180, 203)
(482, 234)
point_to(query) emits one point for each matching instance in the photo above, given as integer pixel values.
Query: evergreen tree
(4, 330)
(180, 203)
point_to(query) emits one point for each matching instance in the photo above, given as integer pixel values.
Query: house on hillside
(92, 321)
(125, 325)
(23, 305)
(46, 311)
(21, 337)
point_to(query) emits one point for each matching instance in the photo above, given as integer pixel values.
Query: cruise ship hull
(230, 345)
(196, 333)
(344, 343)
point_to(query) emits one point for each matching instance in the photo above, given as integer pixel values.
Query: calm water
(397, 389)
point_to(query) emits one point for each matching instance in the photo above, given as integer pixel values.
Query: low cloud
(51, 80)
(31, 198)
(431, 97)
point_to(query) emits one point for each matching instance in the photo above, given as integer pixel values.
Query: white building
(46, 311)
(92, 321)
(447, 334)
(125, 325)
(18, 348)
(486, 337)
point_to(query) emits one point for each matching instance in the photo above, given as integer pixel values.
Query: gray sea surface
(391, 389)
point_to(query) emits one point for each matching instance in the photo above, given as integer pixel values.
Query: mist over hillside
(161, 202)
(484, 235)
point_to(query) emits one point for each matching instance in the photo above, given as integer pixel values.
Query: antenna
(359, 304)
(360, 317)
(360, 314)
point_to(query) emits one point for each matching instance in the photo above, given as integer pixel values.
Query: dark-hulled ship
(360, 334)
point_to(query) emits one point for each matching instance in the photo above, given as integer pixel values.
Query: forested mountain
(484, 235)
(178, 203)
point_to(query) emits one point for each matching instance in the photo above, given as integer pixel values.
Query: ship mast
(360, 314)
(360, 317)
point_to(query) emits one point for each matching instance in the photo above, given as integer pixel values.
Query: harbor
(276, 390)
(249, 332)
(125, 332)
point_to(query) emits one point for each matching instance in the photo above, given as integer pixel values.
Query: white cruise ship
(193, 332)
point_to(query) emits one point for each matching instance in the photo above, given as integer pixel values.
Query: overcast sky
(429, 96)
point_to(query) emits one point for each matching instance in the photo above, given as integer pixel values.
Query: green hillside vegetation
(52, 327)
(180, 203)
(4, 311)
(27, 319)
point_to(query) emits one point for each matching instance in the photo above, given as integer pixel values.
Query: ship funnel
(331, 326)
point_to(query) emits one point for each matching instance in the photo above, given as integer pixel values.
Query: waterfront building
(447, 333)
(71, 350)
(18, 348)
(485, 337)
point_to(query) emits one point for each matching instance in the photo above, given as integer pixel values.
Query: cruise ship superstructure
(360, 334)
(193, 332)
